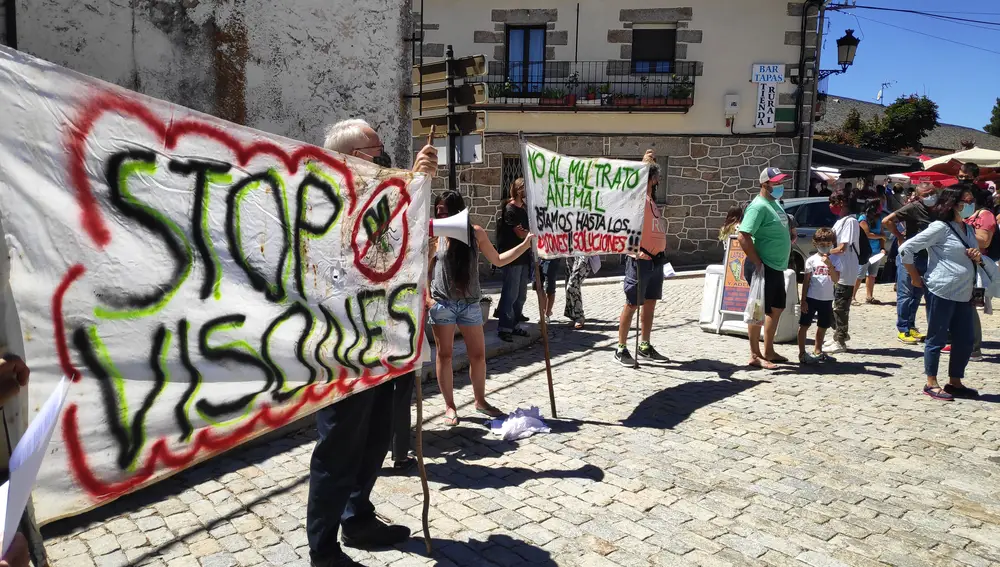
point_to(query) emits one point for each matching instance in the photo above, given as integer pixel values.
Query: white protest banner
(200, 282)
(583, 206)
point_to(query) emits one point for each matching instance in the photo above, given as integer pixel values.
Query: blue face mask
(967, 210)
(777, 191)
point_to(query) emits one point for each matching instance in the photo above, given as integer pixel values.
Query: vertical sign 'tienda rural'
(767, 77)
(583, 206)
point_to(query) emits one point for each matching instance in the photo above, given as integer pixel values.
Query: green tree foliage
(994, 126)
(904, 123)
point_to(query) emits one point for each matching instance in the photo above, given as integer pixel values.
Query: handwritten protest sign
(735, 289)
(202, 283)
(583, 206)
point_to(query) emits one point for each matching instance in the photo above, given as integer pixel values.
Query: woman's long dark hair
(460, 256)
(944, 210)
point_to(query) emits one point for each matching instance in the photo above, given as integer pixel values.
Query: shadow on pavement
(497, 549)
(840, 367)
(914, 352)
(457, 446)
(671, 406)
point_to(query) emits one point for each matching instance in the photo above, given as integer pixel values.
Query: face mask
(824, 249)
(929, 201)
(777, 191)
(967, 210)
(836, 209)
(382, 160)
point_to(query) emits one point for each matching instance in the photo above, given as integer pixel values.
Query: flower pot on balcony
(591, 96)
(626, 101)
(570, 100)
(687, 102)
(552, 101)
(654, 101)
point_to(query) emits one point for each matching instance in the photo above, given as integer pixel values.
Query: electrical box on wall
(732, 105)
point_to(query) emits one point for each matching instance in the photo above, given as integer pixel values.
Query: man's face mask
(376, 154)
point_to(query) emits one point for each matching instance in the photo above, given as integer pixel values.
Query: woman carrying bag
(954, 264)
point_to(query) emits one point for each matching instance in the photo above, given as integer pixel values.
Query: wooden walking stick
(420, 421)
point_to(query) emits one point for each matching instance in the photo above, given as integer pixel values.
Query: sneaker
(808, 359)
(940, 394)
(505, 337)
(947, 349)
(340, 559)
(917, 335)
(976, 356)
(834, 347)
(961, 392)
(907, 339)
(374, 534)
(823, 357)
(624, 358)
(646, 350)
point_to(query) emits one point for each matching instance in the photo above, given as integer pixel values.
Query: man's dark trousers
(354, 437)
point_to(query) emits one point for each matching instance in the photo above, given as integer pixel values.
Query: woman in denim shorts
(453, 299)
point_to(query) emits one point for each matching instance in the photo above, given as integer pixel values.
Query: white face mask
(929, 201)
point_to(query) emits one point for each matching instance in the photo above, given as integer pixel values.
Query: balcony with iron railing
(582, 86)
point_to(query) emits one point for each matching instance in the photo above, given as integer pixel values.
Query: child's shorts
(821, 310)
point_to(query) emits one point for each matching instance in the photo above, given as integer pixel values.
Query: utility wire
(931, 36)
(840, 7)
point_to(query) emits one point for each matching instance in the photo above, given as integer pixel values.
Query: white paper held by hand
(26, 460)
(876, 258)
(668, 271)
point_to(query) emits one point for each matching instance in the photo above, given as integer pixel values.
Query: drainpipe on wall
(799, 168)
(11, 19)
(576, 51)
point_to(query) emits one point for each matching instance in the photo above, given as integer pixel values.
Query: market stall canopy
(938, 179)
(952, 162)
(860, 162)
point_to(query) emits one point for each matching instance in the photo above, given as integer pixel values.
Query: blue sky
(963, 81)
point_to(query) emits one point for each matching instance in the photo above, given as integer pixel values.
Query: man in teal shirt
(764, 235)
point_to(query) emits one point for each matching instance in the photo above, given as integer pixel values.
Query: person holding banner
(765, 236)
(354, 433)
(512, 230)
(453, 299)
(644, 275)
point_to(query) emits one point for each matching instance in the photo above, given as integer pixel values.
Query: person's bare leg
(803, 333)
(753, 332)
(624, 322)
(870, 287)
(475, 345)
(550, 300)
(648, 310)
(771, 327)
(444, 340)
(857, 286)
(820, 335)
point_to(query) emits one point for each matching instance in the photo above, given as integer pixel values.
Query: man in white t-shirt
(848, 232)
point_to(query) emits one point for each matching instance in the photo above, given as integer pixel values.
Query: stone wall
(705, 176)
(288, 68)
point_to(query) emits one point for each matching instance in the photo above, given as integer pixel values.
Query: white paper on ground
(26, 460)
(876, 258)
(668, 271)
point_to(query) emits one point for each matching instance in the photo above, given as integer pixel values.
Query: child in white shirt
(822, 270)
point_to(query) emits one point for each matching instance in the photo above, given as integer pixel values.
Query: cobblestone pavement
(695, 462)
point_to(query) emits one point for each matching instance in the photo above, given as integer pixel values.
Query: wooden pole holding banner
(420, 421)
(638, 309)
(544, 326)
(542, 323)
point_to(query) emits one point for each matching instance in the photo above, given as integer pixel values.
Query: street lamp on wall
(847, 49)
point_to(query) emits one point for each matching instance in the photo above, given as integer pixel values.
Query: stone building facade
(703, 178)
(598, 53)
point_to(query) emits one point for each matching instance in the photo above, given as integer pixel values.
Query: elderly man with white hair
(354, 433)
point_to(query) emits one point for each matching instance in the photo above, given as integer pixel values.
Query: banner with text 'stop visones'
(201, 282)
(583, 206)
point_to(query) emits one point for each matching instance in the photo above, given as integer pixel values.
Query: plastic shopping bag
(595, 264)
(754, 313)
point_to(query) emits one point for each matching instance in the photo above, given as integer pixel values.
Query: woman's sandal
(762, 363)
(491, 411)
(873, 301)
(451, 420)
